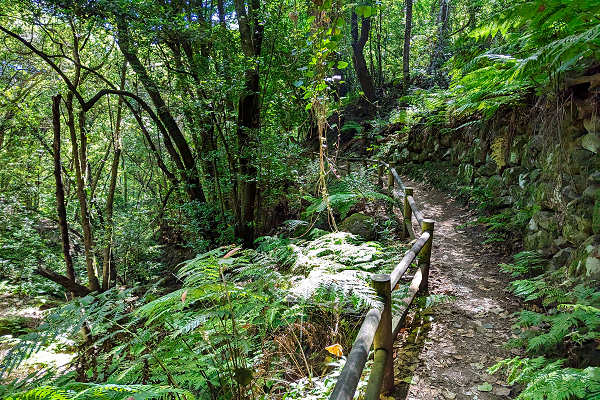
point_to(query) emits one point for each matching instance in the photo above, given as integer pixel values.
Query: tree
(358, 44)
(407, 38)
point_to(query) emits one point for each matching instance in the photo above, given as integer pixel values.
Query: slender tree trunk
(358, 58)
(88, 240)
(183, 156)
(379, 56)
(407, 39)
(114, 170)
(60, 193)
(438, 55)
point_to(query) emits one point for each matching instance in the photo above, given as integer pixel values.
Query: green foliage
(525, 263)
(86, 391)
(549, 380)
(535, 43)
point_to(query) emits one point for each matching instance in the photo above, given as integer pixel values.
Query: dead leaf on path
(335, 349)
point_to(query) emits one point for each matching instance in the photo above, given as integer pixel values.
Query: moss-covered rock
(359, 224)
(586, 262)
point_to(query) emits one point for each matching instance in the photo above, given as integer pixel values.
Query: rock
(501, 391)
(561, 258)
(591, 142)
(546, 220)
(591, 193)
(594, 178)
(538, 240)
(581, 156)
(571, 231)
(592, 124)
(560, 242)
(586, 261)
(359, 224)
(569, 193)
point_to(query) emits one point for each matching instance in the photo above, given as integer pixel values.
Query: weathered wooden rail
(381, 326)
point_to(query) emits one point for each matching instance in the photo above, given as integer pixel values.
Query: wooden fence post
(382, 378)
(380, 176)
(407, 211)
(391, 179)
(425, 255)
(348, 167)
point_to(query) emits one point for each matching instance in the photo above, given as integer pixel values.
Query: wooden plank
(408, 258)
(355, 363)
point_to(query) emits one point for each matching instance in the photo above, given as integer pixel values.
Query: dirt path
(445, 354)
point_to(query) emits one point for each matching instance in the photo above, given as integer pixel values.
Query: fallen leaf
(335, 349)
(232, 252)
(485, 387)
(183, 296)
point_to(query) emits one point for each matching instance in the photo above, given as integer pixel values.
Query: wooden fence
(380, 326)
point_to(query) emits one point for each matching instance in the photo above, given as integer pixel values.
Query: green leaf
(342, 65)
(485, 387)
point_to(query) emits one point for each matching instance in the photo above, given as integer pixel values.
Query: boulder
(359, 224)
(538, 241)
(562, 258)
(592, 124)
(569, 193)
(591, 193)
(586, 261)
(581, 156)
(545, 220)
(591, 142)
(571, 231)
(594, 178)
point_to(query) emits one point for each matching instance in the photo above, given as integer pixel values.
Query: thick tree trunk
(407, 39)
(251, 35)
(358, 58)
(60, 192)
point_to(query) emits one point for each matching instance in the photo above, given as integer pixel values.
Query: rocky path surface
(444, 353)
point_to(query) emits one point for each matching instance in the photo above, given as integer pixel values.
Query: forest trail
(445, 353)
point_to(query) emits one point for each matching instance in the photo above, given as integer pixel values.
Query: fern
(544, 379)
(83, 391)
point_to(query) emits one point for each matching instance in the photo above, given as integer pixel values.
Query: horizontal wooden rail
(355, 363)
(408, 258)
(415, 210)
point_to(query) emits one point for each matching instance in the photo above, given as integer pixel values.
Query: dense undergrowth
(241, 322)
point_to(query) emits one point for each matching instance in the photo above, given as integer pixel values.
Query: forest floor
(444, 353)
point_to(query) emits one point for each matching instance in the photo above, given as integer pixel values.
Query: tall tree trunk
(438, 54)
(60, 193)
(407, 39)
(114, 170)
(251, 35)
(88, 240)
(358, 58)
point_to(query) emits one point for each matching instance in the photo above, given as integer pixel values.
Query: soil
(444, 352)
